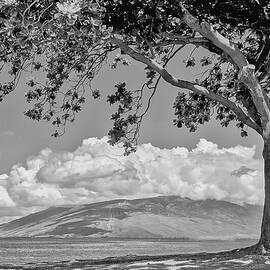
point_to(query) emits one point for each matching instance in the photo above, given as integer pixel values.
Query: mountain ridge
(155, 217)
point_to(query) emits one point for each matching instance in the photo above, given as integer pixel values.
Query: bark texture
(264, 241)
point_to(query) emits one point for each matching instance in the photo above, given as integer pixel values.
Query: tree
(68, 41)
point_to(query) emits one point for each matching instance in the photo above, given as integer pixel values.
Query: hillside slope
(158, 217)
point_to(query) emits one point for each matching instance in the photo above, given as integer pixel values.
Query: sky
(37, 171)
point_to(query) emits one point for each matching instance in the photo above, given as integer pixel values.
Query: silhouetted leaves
(190, 62)
(63, 45)
(191, 110)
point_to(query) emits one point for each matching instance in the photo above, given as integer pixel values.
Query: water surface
(21, 251)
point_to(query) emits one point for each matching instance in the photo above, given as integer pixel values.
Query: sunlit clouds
(97, 171)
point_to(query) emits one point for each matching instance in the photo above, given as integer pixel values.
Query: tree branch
(259, 97)
(242, 116)
(180, 40)
(207, 31)
(263, 63)
(263, 54)
(184, 40)
(246, 71)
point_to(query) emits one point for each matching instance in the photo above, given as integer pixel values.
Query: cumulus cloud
(97, 171)
(5, 200)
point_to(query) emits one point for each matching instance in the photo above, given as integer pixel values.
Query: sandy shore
(203, 261)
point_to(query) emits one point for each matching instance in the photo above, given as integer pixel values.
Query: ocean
(18, 251)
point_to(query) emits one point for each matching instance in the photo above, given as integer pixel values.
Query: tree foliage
(61, 46)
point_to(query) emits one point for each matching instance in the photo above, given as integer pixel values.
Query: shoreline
(108, 239)
(227, 259)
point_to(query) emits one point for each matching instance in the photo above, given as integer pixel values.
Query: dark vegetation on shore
(231, 260)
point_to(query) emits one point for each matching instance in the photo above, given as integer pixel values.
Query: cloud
(3, 178)
(242, 171)
(97, 171)
(5, 200)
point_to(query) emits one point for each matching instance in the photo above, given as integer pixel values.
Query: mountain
(158, 217)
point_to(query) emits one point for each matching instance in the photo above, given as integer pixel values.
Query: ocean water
(23, 251)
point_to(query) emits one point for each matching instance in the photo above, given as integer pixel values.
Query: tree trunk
(264, 242)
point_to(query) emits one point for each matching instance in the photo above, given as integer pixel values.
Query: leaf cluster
(125, 120)
(62, 45)
(65, 43)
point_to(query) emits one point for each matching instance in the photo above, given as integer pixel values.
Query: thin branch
(27, 9)
(181, 40)
(150, 98)
(174, 53)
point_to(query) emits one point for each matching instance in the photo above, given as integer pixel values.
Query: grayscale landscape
(134, 134)
(150, 226)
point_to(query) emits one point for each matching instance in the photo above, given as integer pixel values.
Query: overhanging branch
(185, 40)
(246, 71)
(242, 116)
(208, 32)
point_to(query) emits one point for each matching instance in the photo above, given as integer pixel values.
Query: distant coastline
(114, 239)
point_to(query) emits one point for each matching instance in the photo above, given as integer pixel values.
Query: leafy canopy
(61, 46)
